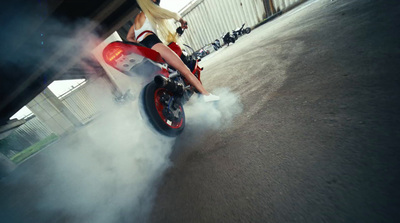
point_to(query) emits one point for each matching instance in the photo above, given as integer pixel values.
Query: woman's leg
(172, 59)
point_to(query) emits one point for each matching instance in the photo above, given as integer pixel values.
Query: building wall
(32, 131)
(50, 114)
(85, 102)
(60, 115)
(210, 19)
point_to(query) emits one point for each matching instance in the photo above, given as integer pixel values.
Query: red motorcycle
(164, 90)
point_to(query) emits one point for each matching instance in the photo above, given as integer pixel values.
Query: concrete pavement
(317, 140)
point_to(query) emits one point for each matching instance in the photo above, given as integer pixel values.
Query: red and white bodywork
(164, 90)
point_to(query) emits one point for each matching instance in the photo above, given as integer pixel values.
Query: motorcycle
(216, 44)
(164, 90)
(241, 31)
(235, 34)
(193, 55)
(228, 38)
(202, 53)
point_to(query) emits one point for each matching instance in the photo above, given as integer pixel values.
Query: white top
(146, 27)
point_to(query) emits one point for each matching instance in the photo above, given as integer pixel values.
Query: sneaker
(210, 98)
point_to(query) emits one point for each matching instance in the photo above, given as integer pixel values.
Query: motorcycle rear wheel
(155, 110)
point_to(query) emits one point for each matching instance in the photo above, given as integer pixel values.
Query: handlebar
(180, 30)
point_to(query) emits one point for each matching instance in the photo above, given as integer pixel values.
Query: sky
(174, 5)
(60, 87)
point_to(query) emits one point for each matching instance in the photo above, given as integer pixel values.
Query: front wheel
(247, 30)
(164, 110)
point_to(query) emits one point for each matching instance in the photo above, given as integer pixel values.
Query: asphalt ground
(317, 139)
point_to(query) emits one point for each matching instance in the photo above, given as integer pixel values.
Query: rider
(144, 32)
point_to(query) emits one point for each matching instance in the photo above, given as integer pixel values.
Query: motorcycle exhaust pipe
(170, 85)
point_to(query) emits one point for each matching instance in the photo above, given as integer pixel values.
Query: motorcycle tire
(154, 108)
(233, 40)
(247, 30)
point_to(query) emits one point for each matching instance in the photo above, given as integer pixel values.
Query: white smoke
(202, 116)
(107, 171)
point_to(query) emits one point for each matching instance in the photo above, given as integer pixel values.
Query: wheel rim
(160, 107)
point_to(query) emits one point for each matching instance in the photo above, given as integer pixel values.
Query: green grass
(24, 154)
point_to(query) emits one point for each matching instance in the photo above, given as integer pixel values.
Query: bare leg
(172, 59)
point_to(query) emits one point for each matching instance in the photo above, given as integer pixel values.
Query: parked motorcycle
(216, 44)
(228, 38)
(202, 53)
(246, 30)
(164, 90)
(241, 31)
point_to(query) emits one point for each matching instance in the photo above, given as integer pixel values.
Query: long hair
(159, 17)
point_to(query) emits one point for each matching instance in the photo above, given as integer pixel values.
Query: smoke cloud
(202, 116)
(108, 170)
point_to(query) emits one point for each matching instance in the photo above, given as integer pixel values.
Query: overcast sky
(174, 5)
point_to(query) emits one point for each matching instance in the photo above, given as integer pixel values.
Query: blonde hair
(159, 17)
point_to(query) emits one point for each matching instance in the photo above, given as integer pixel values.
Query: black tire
(233, 40)
(247, 30)
(151, 101)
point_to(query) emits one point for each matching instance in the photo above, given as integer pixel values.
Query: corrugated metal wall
(81, 104)
(32, 131)
(81, 101)
(210, 19)
(49, 113)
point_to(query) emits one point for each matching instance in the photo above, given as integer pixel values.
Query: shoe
(210, 98)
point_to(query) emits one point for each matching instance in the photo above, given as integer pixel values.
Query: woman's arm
(131, 34)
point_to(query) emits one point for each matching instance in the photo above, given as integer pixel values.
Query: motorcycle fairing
(131, 47)
(164, 90)
(176, 48)
(134, 59)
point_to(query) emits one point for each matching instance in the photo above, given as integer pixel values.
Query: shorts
(150, 40)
